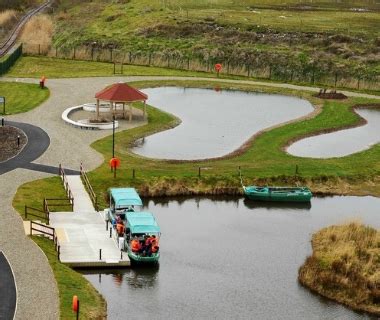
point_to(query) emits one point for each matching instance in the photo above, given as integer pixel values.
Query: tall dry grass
(345, 266)
(8, 18)
(38, 31)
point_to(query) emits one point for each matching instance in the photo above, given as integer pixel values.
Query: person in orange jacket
(154, 244)
(135, 245)
(120, 228)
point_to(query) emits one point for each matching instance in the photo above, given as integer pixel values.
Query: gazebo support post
(97, 109)
(130, 113)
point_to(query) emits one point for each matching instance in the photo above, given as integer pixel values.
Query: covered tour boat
(285, 194)
(142, 237)
(138, 230)
(123, 199)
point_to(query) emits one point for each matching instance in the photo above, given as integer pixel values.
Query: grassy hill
(18, 4)
(301, 40)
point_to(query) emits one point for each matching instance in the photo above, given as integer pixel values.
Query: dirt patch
(12, 141)
(330, 95)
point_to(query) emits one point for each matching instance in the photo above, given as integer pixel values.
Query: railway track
(9, 43)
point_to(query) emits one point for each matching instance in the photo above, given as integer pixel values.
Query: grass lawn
(35, 67)
(32, 194)
(70, 283)
(262, 162)
(21, 97)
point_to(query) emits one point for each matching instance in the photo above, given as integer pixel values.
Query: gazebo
(120, 94)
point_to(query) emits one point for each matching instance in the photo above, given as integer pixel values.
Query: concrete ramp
(82, 233)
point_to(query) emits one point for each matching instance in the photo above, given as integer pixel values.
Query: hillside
(300, 38)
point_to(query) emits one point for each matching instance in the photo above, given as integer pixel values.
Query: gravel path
(37, 290)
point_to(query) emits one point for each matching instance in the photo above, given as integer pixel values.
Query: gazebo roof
(121, 92)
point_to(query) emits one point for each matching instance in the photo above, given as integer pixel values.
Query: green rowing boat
(285, 194)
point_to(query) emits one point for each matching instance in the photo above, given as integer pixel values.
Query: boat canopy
(142, 222)
(124, 197)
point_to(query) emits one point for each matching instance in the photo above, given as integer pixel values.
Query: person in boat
(135, 245)
(154, 244)
(120, 228)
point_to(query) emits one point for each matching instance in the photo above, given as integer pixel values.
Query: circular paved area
(37, 291)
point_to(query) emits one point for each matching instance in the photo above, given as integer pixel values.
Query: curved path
(7, 289)
(37, 291)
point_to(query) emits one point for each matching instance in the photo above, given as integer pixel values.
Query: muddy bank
(323, 186)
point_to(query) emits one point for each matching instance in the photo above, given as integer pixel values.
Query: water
(214, 123)
(341, 143)
(231, 259)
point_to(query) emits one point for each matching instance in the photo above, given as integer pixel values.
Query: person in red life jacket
(154, 244)
(120, 228)
(135, 245)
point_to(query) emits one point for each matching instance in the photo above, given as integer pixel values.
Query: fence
(43, 230)
(89, 188)
(36, 213)
(66, 185)
(265, 70)
(10, 60)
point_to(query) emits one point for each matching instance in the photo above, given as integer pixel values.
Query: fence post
(111, 231)
(31, 231)
(100, 254)
(133, 173)
(74, 53)
(39, 49)
(59, 253)
(199, 172)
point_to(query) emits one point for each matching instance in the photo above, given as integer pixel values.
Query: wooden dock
(82, 234)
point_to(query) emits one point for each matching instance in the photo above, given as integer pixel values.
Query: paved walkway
(68, 146)
(82, 201)
(7, 290)
(82, 233)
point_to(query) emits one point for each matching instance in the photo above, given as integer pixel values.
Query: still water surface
(231, 259)
(341, 143)
(214, 123)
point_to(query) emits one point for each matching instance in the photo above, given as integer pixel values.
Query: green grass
(263, 160)
(35, 67)
(32, 194)
(21, 97)
(70, 283)
(229, 30)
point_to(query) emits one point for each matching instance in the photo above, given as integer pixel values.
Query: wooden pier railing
(36, 213)
(66, 185)
(89, 188)
(44, 230)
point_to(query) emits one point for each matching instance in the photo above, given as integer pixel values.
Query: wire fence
(311, 74)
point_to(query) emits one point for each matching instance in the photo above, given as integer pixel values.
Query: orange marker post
(76, 305)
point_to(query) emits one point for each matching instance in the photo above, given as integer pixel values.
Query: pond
(214, 123)
(231, 259)
(341, 143)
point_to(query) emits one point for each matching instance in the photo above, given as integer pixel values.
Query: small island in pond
(345, 266)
